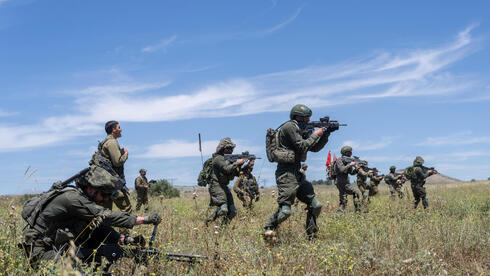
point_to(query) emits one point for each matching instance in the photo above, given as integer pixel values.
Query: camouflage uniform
(110, 149)
(291, 183)
(394, 182)
(373, 184)
(362, 176)
(418, 182)
(141, 187)
(342, 171)
(246, 189)
(66, 217)
(222, 173)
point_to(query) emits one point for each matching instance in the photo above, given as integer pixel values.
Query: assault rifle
(114, 252)
(429, 168)
(74, 177)
(243, 155)
(325, 123)
(359, 162)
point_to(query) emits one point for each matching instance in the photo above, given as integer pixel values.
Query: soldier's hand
(352, 163)
(153, 219)
(125, 150)
(319, 131)
(240, 161)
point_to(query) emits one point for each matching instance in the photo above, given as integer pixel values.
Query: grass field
(452, 237)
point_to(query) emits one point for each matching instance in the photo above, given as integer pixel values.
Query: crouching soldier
(74, 214)
(246, 187)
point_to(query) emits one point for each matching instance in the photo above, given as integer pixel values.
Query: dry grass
(451, 237)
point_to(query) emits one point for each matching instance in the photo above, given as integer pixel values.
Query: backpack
(204, 177)
(409, 173)
(275, 153)
(33, 207)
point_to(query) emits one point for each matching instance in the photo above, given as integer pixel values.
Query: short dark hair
(110, 125)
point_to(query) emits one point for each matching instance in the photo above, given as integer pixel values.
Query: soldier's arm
(341, 167)
(361, 172)
(291, 133)
(420, 173)
(114, 151)
(227, 167)
(321, 143)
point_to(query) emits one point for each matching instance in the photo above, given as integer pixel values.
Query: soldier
(342, 169)
(246, 186)
(290, 181)
(222, 173)
(373, 184)
(417, 180)
(394, 182)
(76, 215)
(141, 186)
(113, 159)
(362, 175)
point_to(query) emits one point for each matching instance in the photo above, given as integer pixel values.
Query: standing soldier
(373, 184)
(223, 172)
(362, 175)
(394, 182)
(290, 181)
(342, 169)
(111, 157)
(246, 187)
(417, 175)
(141, 186)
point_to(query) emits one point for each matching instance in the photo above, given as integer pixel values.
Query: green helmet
(392, 168)
(225, 143)
(142, 170)
(300, 110)
(419, 161)
(345, 149)
(101, 180)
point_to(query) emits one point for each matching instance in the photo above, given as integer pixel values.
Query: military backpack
(205, 175)
(276, 153)
(409, 173)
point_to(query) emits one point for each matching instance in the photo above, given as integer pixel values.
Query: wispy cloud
(160, 46)
(460, 138)
(391, 75)
(285, 23)
(369, 145)
(4, 113)
(179, 148)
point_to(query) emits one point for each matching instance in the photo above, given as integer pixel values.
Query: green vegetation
(163, 188)
(452, 237)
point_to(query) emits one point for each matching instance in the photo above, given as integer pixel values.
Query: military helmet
(345, 149)
(392, 168)
(419, 161)
(300, 110)
(225, 143)
(101, 180)
(142, 170)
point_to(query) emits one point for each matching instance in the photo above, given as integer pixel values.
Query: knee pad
(316, 207)
(284, 213)
(223, 210)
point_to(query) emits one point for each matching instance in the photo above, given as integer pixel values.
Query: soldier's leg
(399, 191)
(232, 211)
(306, 194)
(218, 198)
(139, 202)
(416, 196)
(354, 190)
(342, 198)
(423, 195)
(392, 190)
(287, 186)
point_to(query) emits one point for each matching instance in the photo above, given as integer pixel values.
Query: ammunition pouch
(285, 156)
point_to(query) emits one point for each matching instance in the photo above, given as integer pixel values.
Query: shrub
(163, 187)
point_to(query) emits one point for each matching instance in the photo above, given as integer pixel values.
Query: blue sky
(409, 78)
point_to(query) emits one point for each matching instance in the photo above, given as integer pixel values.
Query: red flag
(329, 161)
(334, 157)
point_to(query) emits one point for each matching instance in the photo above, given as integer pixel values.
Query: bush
(163, 187)
(473, 180)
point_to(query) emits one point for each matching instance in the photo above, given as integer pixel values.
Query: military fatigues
(362, 185)
(342, 171)
(223, 172)
(246, 189)
(395, 184)
(373, 184)
(291, 183)
(67, 215)
(417, 185)
(110, 149)
(141, 187)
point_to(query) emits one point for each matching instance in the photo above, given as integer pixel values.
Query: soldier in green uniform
(395, 182)
(76, 214)
(141, 186)
(417, 180)
(290, 181)
(222, 173)
(246, 187)
(373, 184)
(362, 176)
(342, 169)
(113, 159)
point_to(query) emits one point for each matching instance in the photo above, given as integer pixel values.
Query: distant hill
(438, 178)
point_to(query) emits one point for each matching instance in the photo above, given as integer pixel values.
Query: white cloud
(179, 148)
(6, 114)
(369, 145)
(160, 46)
(457, 139)
(285, 23)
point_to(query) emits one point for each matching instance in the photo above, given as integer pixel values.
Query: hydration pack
(204, 177)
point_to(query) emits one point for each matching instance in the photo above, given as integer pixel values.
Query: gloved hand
(138, 240)
(153, 219)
